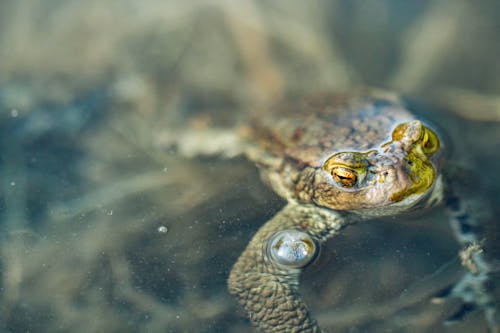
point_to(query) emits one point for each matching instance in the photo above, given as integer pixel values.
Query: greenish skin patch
(422, 175)
(420, 169)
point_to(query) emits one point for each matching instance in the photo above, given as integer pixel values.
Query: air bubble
(292, 248)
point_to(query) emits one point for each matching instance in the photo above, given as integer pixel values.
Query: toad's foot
(479, 287)
(193, 142)
(266, 281)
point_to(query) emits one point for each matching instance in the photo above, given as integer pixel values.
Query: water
(105, 229)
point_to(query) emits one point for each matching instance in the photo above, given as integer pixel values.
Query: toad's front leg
(266, 276)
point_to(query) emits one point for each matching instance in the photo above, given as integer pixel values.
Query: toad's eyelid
(350, 160)
(430, 141)
(425, 139)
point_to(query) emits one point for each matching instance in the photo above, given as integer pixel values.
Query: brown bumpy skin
(268, 292)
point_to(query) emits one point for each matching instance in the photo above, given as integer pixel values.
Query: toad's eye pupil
(344, 176)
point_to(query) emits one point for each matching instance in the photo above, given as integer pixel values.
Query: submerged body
(337, 159)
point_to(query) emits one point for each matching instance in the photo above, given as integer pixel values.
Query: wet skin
(337, 159)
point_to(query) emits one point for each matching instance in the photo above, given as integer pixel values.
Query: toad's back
(309, 130)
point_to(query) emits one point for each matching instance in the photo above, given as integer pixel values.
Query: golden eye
(344, 176)
(430, 141)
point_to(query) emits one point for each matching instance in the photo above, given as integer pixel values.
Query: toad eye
(430, 141)
(344, 176)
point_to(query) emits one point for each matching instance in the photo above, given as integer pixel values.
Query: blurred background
(103, 228)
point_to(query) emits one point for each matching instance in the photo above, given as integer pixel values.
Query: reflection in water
(104, 229)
